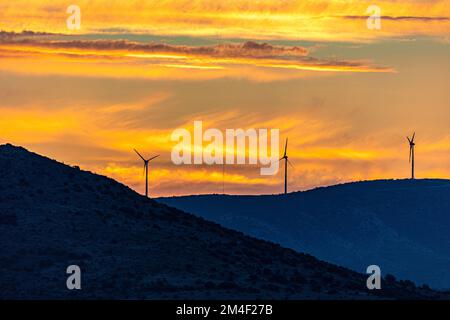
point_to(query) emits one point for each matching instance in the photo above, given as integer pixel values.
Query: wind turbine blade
(139, 154)
(153, 158)
(408, 140)
(285, 147)
(412, 139)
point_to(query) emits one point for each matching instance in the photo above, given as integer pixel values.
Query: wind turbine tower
(286, 162)
(146, 161)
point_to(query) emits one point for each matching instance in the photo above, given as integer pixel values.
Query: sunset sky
(346, 95)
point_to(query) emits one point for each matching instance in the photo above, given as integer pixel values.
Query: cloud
(225, 59)
(247, 49)
(401, 18)
(318, 20)
(24, 33)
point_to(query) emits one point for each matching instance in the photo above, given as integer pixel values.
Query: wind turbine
(411, 153)
(286, 162)
(146, 161)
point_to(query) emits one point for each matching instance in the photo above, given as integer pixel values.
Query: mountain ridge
(131, 247)
(401, 224)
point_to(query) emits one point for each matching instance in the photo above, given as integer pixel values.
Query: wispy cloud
(401, 18)
(225, 58)
(265, 19)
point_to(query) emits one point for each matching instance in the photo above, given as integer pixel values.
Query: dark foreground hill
(130, 247)
(401, 225)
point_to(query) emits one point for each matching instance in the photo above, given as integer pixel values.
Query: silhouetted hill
(128, 247)
(401, 225)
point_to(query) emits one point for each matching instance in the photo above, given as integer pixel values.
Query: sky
(345, 94)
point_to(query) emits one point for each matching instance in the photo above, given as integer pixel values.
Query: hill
(130, 247)
(401, 225)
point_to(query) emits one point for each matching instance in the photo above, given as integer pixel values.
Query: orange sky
(345, 95)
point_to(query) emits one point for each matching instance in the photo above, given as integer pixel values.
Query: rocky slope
(401, 225)
(130, 247)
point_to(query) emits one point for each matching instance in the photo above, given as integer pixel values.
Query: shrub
(390, 278)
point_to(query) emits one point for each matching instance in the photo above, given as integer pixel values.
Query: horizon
(74, 166)
(346, 95)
